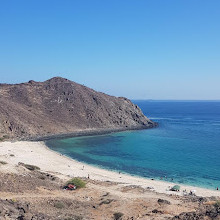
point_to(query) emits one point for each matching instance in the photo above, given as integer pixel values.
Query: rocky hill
(59, 106)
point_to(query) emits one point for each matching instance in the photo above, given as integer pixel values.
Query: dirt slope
(60, 106)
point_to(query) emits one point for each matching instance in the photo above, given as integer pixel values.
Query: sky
(140, 49)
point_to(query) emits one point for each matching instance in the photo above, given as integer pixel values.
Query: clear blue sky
(141, 49)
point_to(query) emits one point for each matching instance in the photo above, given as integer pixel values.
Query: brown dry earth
(61, 107)
(33, 195)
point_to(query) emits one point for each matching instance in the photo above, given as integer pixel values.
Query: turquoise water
(185, 148)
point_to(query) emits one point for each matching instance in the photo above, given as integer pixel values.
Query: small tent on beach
(175, 188)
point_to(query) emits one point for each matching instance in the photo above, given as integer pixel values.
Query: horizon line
(177, 100)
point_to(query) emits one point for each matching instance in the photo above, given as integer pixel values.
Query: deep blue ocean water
(185, 148)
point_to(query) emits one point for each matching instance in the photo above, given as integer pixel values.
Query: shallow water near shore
(185, 148)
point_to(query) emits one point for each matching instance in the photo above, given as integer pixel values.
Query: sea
(184, 148)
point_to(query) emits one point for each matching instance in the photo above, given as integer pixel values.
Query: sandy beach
(38, 154)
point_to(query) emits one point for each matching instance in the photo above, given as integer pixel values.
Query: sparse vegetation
(77, 182)
(217, 204)
(3, 162)
(42, 177)
(4, 137)
(107, 201)
(59, 205)
(106, 194)
(118, 215)
(31, 167)
(77, 217)
(13, 200)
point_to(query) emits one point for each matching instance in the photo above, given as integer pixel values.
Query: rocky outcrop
(60, 106)
(163, 202)
(203, 213)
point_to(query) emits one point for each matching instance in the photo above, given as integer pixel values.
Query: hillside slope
(60, 106)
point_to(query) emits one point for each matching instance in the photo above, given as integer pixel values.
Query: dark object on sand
(79, 183)
(163, 201)
(175, 188)
(118, 215)
(29, 167)
(70, 187)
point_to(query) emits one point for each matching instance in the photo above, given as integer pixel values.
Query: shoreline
(122, 173)
(84, 132)
(39, 154)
